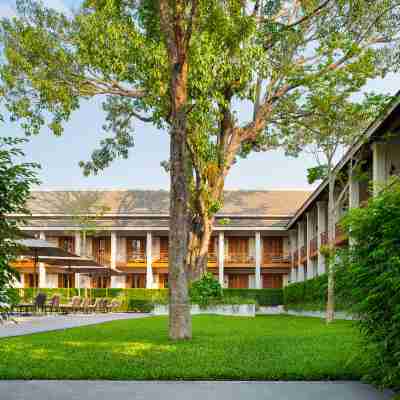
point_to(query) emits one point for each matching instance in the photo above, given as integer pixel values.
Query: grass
(264, 348)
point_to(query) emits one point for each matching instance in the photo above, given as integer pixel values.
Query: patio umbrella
(36, 248)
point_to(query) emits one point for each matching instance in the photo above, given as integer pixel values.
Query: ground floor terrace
(140, 260)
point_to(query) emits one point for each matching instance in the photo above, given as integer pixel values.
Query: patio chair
(104, 305)
(85, 305)
(54, 304)
(97, 306)
(40, 302)
(115, 304)
(72, 306)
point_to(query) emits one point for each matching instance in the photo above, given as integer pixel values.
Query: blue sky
(59, 156)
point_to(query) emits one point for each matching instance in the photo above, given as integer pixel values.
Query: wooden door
(102, 250)
(136, 248)
(272, 281)
(136, 281)
(67, 243)
(31, 280)
(66, 280)
(163, 281)
(272, 249)
(164, 248)
(238, 249)
(239, 281)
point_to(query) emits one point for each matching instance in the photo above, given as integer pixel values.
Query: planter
(235, 310)
(271, 310)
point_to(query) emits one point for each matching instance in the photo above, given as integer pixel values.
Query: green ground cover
(265, 347)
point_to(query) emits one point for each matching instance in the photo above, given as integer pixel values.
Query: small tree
(328, 124)
(16, 180)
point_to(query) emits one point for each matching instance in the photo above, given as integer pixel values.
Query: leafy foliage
(16, 180)
(205, 290)
(317, 173)
(373, 264)
(312, 293)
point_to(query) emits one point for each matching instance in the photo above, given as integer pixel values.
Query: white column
(149, 261)
(379, 169)
(354, 190)
(293, 245)
(300, 243)
(258, 260)
(42, 268)
(322, 209)
(78, 252)
(310, 236)
(113, 259)
(221, 256)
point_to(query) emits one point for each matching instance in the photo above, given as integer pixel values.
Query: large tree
(185, 66)
(328, 124)
(16, 179)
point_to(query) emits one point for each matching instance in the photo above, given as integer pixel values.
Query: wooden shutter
(272, 281)
(67, 243)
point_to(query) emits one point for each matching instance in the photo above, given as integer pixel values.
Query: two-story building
(128, 232)
(261, 239)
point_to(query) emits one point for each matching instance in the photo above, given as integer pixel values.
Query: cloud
(58, 5)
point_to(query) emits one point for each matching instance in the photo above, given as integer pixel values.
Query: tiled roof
(155, 202)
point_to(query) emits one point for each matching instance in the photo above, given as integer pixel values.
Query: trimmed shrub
(140, 305)
(263, 297)
(312, 293)
(205, 290)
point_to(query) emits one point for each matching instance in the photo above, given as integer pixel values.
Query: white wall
(52, 281)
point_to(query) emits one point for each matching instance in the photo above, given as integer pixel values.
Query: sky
(59, 156)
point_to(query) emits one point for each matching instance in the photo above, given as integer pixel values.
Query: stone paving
(218, 390)
(36, 324)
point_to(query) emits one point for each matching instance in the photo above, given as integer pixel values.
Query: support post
(300, 244)
(221, 257)
(78, 252)
(354, 190)
(258, 260)
(310, 236)
(42, 268)
(321, 213)
(379, 170)
(149, 261)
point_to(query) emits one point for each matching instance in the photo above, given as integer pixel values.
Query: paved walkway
(35, 324)
(117, 390)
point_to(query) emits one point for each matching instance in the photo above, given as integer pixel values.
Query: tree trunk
(180, 326)
(330, 306)
(199, 242)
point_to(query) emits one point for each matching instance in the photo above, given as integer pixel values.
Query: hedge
(264, 297)
(312, 293)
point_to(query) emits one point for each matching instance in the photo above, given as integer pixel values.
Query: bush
(373, 264)
(312, 293)
(263, 297)
(138, 305)
(205, 290)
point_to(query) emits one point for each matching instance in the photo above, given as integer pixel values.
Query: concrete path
(35, 324)
(117, 390)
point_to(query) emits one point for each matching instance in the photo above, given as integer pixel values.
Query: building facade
(261, 239)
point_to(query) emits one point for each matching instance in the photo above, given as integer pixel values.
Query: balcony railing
(136, 258)
(239, 258)
(102, 257)
(162, 260)
(303, 252)
(276, 259)
(313, 246)
(324, 238)
(212, 258)
(340, 235)
(295, 260)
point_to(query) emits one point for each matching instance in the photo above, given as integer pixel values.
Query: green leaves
(16, 180)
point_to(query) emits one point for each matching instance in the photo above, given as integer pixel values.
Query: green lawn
(270, 348)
